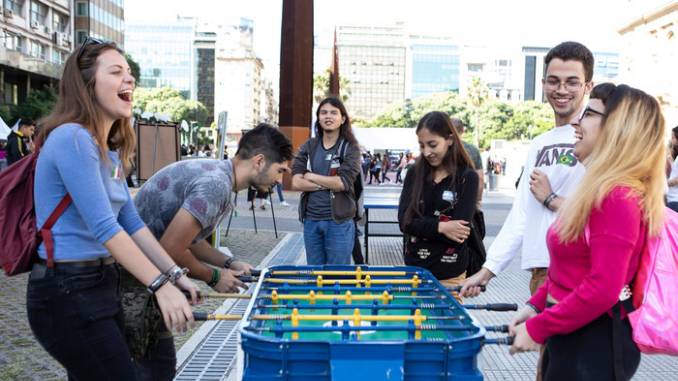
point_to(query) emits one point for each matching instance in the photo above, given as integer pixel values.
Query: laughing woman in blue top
(73, 306)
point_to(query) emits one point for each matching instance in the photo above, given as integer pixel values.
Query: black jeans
(160, 362)
(587, 354)
(75, 314)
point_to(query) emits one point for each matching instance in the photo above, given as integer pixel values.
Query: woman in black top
(438, 200)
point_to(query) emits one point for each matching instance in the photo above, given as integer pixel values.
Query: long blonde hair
(630, 152)
(77, 103)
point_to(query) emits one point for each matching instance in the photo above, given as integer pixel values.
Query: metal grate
(216, 355)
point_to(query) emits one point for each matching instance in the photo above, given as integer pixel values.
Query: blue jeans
(673, 206)
(328, 242)
(75, 314)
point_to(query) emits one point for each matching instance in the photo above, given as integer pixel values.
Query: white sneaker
(285, 203)
(267, 202)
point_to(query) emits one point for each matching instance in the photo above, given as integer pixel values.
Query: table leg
(367, 236)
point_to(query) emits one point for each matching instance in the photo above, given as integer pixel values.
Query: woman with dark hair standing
(438, 200)
(672, 195)
(72, 300)
(325, 170)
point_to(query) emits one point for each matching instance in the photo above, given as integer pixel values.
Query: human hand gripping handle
(228, 281)
(243, 267)
(185, 284)
(525, 313)
(456, 230)
(474, 285)
(175, 309)
(522, 341)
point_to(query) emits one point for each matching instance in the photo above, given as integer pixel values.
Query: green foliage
(321, 87)
(134, 67)
(38, 104)
(169, 101)
(488, 118)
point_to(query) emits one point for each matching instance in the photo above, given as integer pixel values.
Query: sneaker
(267, 202)
(262, 207)
(251, 207)
(285, 203)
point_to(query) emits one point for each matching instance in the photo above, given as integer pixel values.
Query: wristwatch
(229, 261)
(158, 282)
(175, 272)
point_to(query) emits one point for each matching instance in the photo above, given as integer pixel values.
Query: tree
(134, 67)
(38, 104)
(321, 87)
(169, 101)
(478, 93)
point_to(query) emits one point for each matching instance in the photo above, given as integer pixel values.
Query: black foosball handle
(458, 288)
(497, 328)
(200, 316)
(493, 307)
(501, 307)
(188, 294)
(255, 272)
(508, 340)
(247, 278)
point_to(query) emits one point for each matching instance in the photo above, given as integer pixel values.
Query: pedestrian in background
(385, 167)
(20, 142)
(402, 162)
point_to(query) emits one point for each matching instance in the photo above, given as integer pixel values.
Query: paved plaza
(210, 351)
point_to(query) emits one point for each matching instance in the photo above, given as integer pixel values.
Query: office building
(36, 40)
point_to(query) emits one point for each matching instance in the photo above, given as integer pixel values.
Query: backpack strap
(46, 234)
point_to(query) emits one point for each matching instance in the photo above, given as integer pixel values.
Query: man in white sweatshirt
(567, 81)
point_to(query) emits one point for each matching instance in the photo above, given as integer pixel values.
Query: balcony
(23, 61)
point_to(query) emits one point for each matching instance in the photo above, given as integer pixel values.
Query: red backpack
(19, 236)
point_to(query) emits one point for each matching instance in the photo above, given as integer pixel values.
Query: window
(59, 22)
(15, 6)
(10, 94)
(37, 49)
(82, 9)
(80, 36)
(38, 12)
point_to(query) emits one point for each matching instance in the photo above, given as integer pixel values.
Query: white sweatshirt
(525, 227)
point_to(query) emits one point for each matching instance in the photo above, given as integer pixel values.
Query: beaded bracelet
(216, 275)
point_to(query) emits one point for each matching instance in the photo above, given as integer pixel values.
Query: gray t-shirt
(474, 154)
(319, 206)
(203, 187)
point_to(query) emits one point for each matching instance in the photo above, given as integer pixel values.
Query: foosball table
(360, 323)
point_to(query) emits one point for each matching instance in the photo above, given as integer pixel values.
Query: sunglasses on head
(88, 41)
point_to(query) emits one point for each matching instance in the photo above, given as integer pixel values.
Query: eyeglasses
(569, 85)
(588, 111)
(88, 41)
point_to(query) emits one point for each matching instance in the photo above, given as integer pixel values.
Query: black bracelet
(533, 307)
(158, 282)
(216, 275)
(549, 199)
(228, 262)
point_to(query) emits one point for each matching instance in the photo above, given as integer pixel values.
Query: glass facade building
(167, 62)
(435, 68)
(103, 19)
(373, 60)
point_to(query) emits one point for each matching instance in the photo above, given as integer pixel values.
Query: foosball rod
(423, 306)
(423, 327)
(488, 307)
(334, 287)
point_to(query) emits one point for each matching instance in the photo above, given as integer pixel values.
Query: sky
(469, 22)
